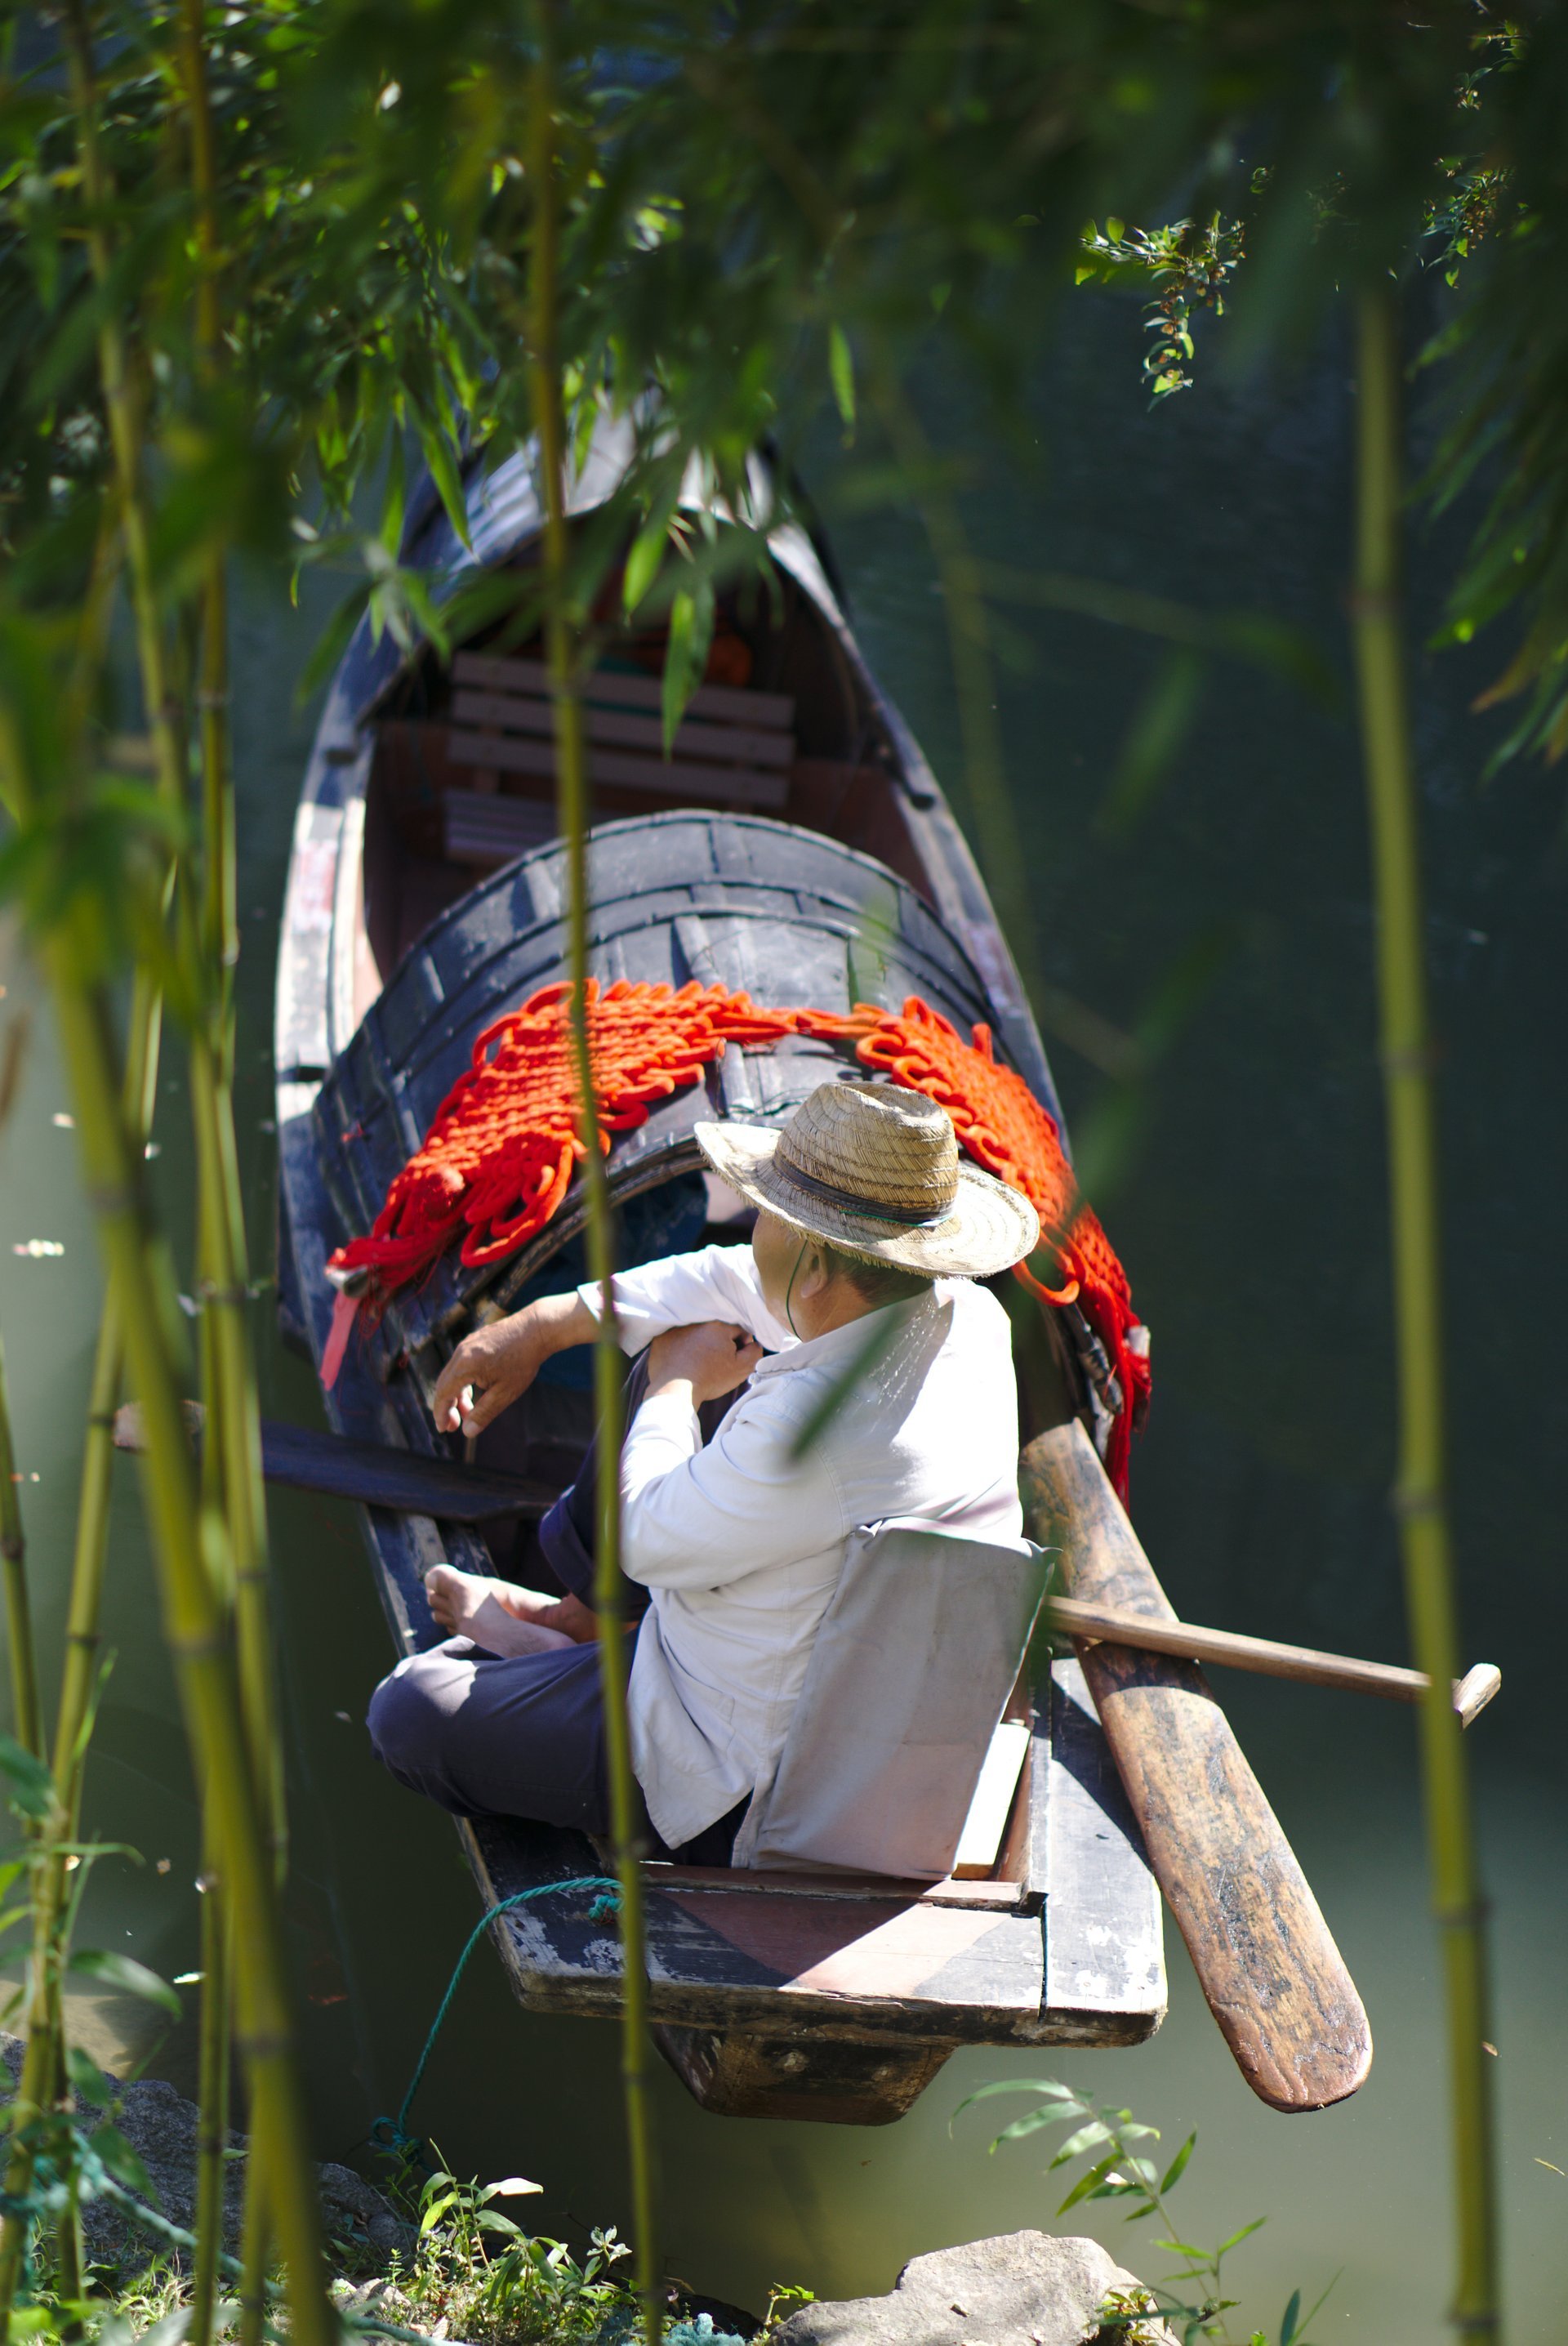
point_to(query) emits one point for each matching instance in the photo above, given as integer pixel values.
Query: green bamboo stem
(235, 1417)
(26, 1709)
(123, 412)
(254, 2243)
(571, 803)
(212, 2103)
(235, 1421)
(36, 2080)
(198, 1637)
(1420, 1500)
(184, 1546)
(233, 1449)
(969, 641)
(44, 2065)
(219, 924)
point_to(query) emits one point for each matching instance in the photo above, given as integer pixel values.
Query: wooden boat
(797, 845)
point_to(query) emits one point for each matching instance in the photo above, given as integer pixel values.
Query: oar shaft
(1264, 1655)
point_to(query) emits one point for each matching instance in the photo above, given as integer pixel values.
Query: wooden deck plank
(728, 785)
(728, 744)
(879, 1962)
(734, 704)
(1105, 1949)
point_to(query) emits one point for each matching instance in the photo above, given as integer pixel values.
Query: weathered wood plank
(729, 785)
(733, 703)
(728, 745)
(983, 1827)
(1104, 1952)
(1266, 1961)
(835, 2081)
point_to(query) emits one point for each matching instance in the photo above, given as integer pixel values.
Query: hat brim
(990, 1228)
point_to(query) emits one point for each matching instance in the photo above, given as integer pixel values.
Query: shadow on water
(1252, 1225)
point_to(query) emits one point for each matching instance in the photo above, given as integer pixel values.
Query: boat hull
(771, 1996)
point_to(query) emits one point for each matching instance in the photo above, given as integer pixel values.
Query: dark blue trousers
(491, 1734)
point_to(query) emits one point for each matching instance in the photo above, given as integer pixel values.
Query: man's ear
(815, 1272)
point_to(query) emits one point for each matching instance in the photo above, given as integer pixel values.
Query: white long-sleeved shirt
(740, 1546)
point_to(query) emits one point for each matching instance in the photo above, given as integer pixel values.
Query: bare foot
(488, 1611)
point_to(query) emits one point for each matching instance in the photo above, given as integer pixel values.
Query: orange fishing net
(499, 1156)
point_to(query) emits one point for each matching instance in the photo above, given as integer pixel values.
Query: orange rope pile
(499, 1156)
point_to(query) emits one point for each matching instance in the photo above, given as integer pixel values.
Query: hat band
(908, 1217)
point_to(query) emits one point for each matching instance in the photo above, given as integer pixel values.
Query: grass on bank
(472, 2274)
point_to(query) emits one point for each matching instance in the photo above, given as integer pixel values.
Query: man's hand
(712, 1358)
(494, 1366)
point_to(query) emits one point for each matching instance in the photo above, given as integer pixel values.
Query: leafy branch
(1194, 2298)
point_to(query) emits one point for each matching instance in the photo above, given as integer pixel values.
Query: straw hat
(877, 1171)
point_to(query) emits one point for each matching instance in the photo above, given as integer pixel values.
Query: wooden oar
(1471, 1693)
(1265, 1959)
(399, 1480)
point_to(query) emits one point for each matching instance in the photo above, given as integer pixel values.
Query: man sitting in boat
(854, 1303)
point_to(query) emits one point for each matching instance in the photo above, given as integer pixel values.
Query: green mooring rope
(392, 2133)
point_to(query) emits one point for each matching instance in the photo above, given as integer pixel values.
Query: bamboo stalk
(235, 1416)
(231, 1457)
(254, 2239)
(44, 2074)
(974, 678)
(1419, 1497)
(189, 1554)
(609, 1367)
(211, 2101)
(36, 2079)
(201, 1644)
(25, 1708)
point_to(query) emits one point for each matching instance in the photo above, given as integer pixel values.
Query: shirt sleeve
(717, 1282)
(698, 1518)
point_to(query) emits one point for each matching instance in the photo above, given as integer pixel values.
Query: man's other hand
(494, 1366)
(713, 1359)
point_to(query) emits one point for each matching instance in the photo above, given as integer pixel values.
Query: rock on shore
(1023, 2288)
(364, 2231)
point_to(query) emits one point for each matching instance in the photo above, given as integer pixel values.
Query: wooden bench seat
(734, 748)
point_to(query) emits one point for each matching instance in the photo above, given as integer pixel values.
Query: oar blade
(1265, 1957)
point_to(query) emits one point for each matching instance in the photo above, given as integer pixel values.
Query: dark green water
(1251, 1221)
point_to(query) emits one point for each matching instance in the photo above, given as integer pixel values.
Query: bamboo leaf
(691, 618)
(1020, 2085)
(1088, 2186)
(30, 1787)
(333, 641)
(122, 2162)
(88, 2078)
(1177, 2167)
(443, 472)
(842, 370)
(125, 1973)
(1082, 2140)
(644, 562)
(1237, 2238)
(394, 498)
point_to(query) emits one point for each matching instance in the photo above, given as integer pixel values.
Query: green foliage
(478, 2273)
(1188, 265)
(1193, 2300)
